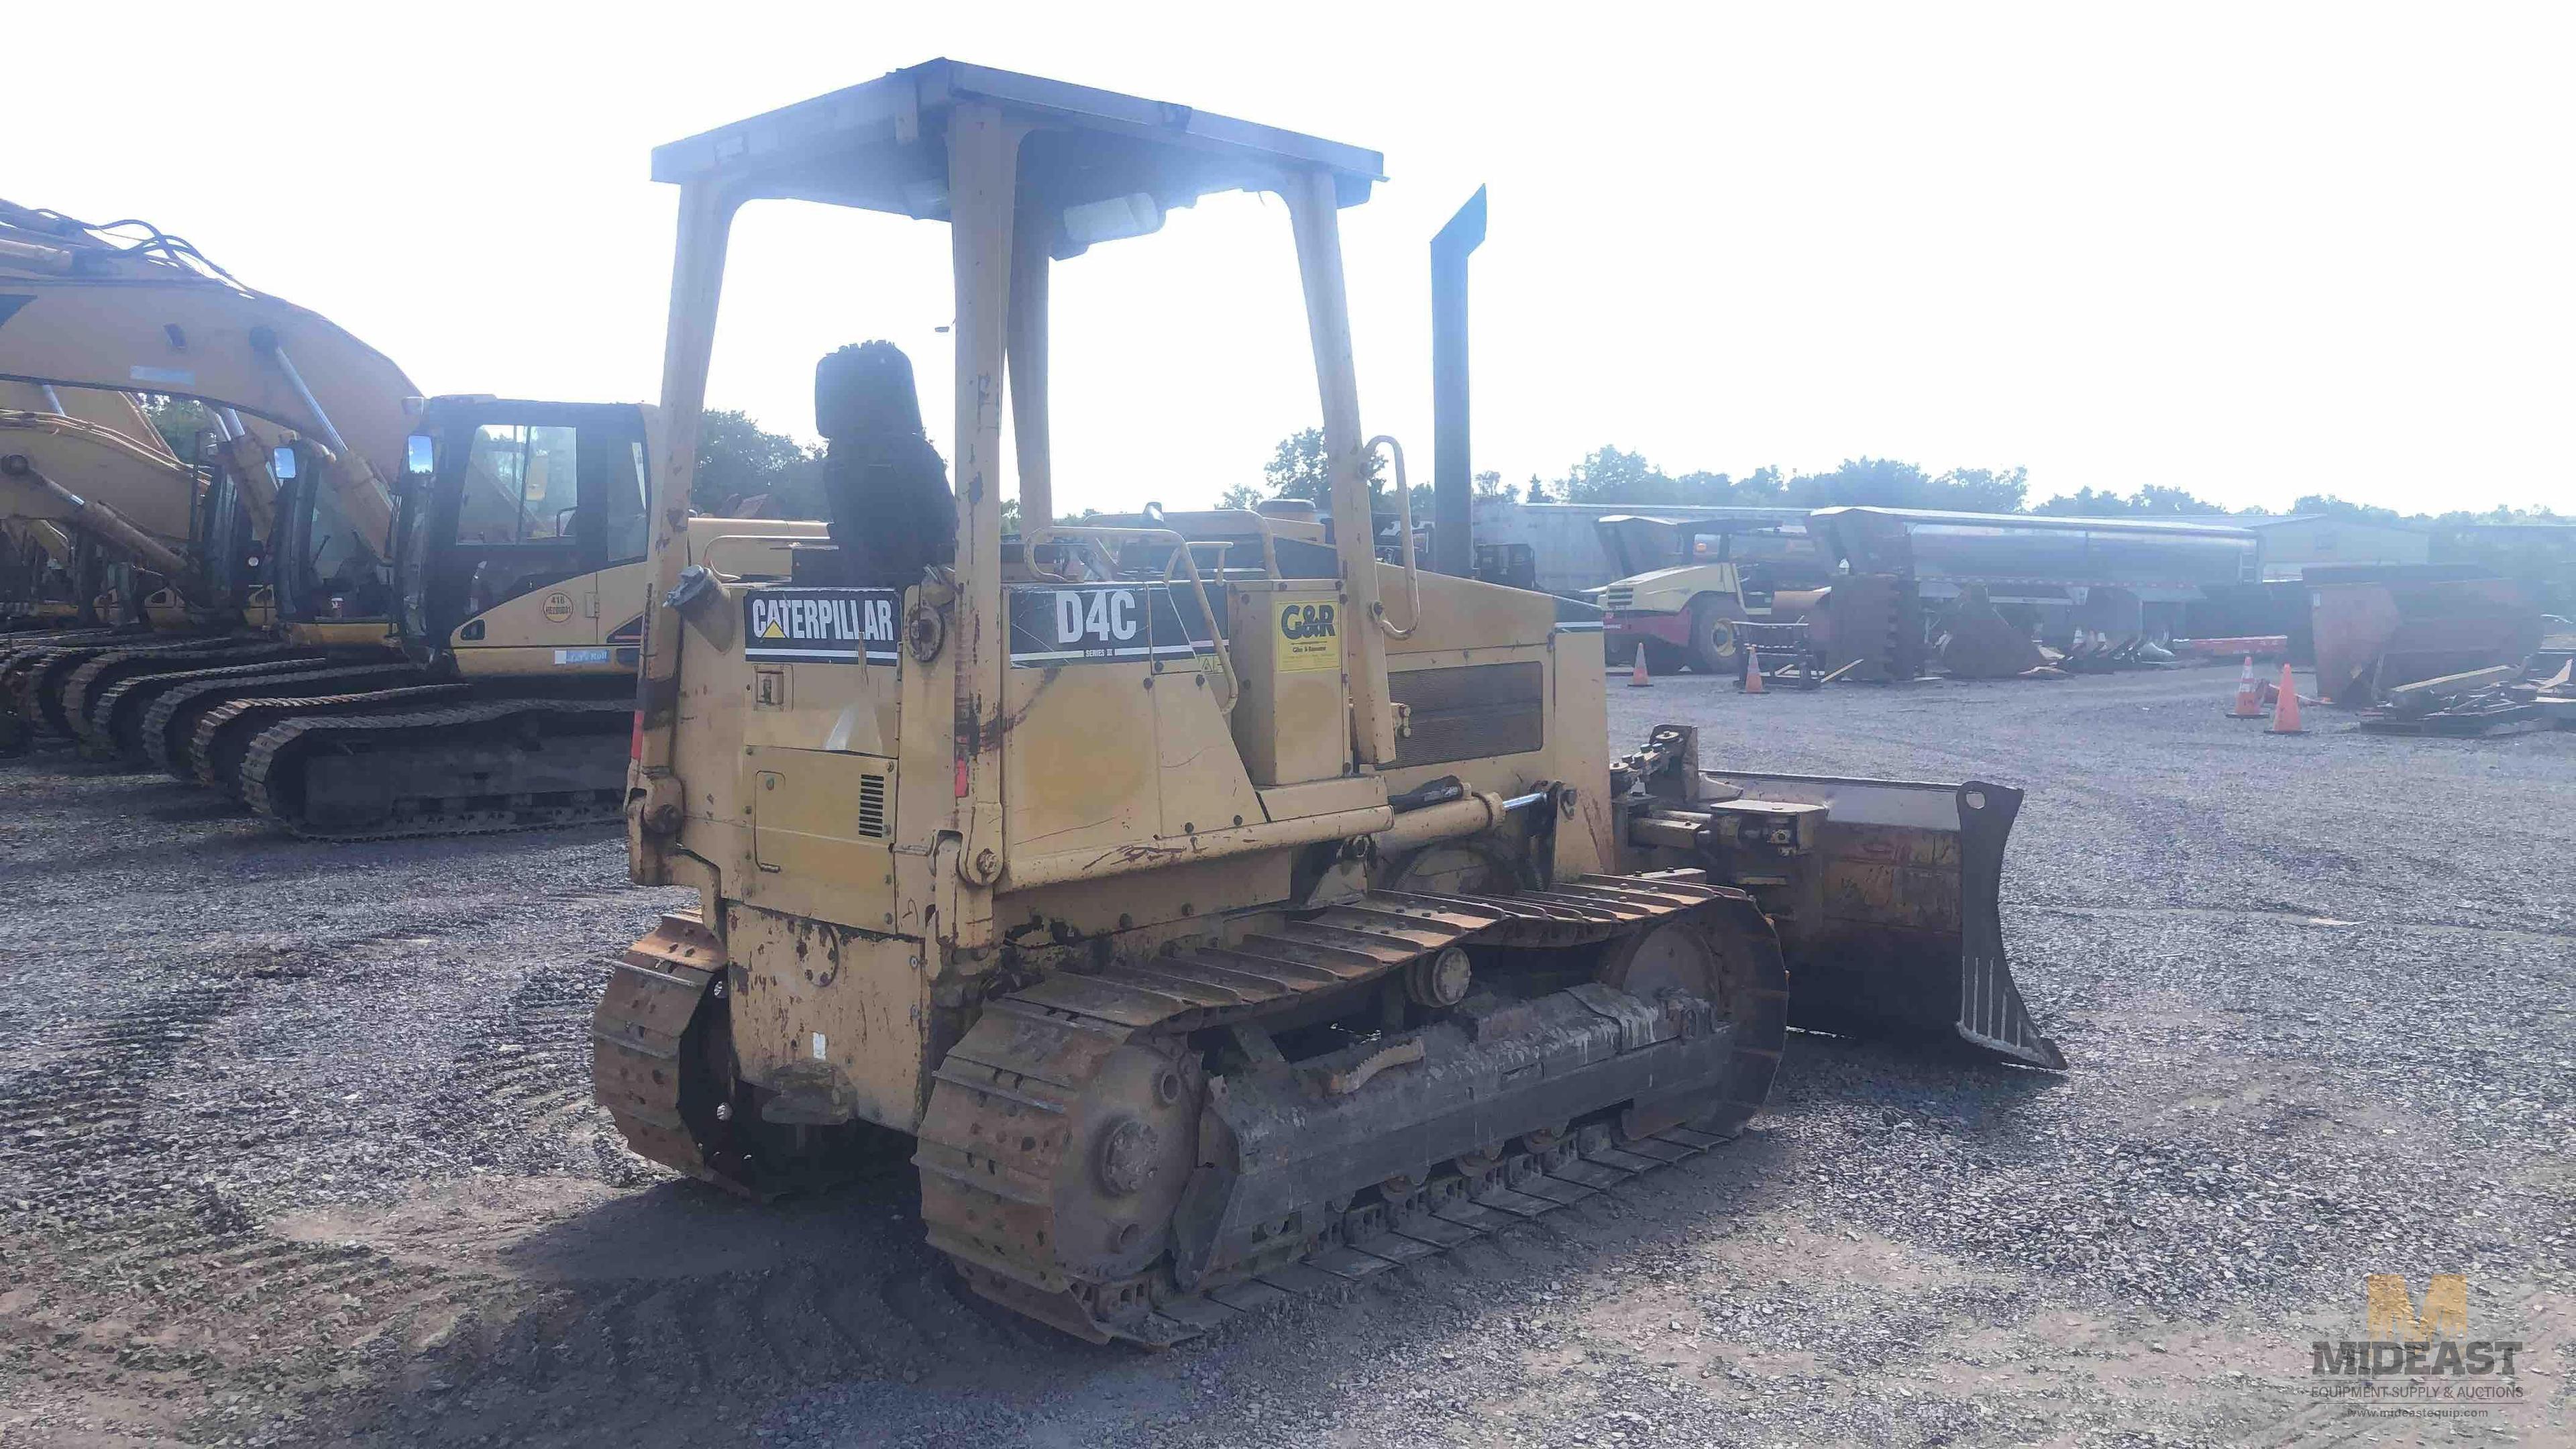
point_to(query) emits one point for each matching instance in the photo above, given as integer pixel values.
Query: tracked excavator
(452, 586)
(102, 518)
(39, 564)
(1220, 911)
(72, 296)
(89, 468)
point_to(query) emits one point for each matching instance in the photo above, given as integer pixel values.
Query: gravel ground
(296, 1146)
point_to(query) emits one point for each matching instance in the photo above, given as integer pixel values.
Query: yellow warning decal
(1309, 637)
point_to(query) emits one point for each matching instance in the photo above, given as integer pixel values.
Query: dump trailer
(2090, 586)
(1217, 922)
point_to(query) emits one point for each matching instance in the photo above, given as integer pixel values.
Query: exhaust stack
(1453, 480)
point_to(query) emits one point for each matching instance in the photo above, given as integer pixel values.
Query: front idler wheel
(1718, 957)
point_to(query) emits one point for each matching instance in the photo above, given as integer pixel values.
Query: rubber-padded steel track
(275, 767)
(1449, 1210)
(638, 1036)
(662, 1060)
(994, 1139)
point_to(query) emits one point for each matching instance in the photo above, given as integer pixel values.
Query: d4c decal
(1102, 623)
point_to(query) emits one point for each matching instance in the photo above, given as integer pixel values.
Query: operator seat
(885, 487)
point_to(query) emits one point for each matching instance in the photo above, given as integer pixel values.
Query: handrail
(1224, 662)
(1404, 525)
(1029, 560)
(707, 551)
(1191, 547)
(1261, 530)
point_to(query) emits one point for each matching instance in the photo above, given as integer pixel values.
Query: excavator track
(118, 715)
(29, 674)
(1097, 1074)
(464, 769)
(171, 704)
(17, 639)
(17, 647)
(63, 684)
(219, 734)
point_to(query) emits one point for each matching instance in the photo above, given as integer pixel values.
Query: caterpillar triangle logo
(773, 631)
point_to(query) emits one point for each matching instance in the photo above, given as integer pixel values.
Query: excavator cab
(325, 570)
(512, 514)
(232, 555)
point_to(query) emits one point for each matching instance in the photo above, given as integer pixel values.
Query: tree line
(742, 465)
(1610, 475)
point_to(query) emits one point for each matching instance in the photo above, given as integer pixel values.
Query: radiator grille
(1617, 598)
(872, 806)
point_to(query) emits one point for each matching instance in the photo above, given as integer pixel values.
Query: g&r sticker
(1309, 637)
(558, 606)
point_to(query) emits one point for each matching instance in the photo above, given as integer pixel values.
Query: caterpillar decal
(821, 626)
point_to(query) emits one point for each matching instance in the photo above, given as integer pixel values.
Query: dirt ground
(296, 1146)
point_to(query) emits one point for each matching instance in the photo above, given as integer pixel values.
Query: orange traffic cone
(1752, 670)
(1637, 677)
(2249, 695)
(2285, 710)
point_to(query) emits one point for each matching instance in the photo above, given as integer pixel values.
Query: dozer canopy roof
(1094, 148)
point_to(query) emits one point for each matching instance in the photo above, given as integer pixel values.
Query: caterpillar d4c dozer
(1221, 911)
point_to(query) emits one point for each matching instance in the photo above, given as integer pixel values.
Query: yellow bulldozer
(1220, 910)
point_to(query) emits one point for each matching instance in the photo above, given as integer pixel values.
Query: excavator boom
(245, 351)
(76, 313)
(131, 503)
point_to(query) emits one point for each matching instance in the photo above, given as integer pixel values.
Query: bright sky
(2249, 250)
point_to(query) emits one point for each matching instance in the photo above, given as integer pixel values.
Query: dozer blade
(1903, 937)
